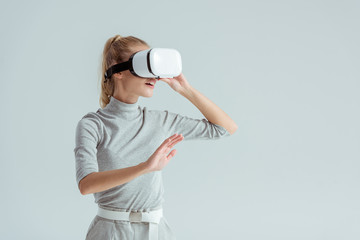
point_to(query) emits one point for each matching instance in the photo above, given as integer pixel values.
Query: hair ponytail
(116, 49)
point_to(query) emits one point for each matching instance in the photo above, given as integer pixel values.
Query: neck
(124, 96)
(119, 108)
(126, 99)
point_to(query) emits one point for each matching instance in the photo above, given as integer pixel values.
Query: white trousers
(117, 225)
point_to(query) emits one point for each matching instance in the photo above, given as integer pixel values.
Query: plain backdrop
(287, 72)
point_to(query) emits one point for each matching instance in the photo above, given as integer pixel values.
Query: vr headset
(150, 63)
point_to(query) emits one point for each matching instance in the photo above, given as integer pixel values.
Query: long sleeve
(190, 128)
(86, 141)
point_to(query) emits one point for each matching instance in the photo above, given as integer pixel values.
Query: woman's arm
(101, 181)
(210, 110)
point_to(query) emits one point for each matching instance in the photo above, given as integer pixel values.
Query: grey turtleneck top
(123, 135)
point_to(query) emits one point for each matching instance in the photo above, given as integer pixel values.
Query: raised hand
(160, 157)
(179, 83)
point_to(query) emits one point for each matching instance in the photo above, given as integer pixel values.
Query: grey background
(287, 72)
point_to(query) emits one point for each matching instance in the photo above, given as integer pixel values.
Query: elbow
(83, 192)
(233, 129)
(86, 184)
(84, 188)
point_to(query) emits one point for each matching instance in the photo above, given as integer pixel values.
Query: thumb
(171, 154)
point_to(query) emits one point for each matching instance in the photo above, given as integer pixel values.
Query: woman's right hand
(160, 157)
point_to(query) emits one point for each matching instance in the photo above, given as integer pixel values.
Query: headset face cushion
(157, 62)
(140, 64)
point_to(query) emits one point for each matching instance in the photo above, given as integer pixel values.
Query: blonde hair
(116, 50)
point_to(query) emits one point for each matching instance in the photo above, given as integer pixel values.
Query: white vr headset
(150, 63)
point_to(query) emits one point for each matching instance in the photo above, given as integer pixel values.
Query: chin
(147, 92)
(147, 95)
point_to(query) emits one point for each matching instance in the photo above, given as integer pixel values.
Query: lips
(151, 84)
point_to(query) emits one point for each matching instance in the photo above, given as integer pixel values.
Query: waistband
(152, 217)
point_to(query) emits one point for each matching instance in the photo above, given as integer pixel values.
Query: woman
(122, 147)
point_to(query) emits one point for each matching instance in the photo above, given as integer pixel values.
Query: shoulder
(91, 116)
(168, 118)
(158, 114)
(90, 120)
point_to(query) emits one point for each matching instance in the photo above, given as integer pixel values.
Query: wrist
(187, 91)
(143, 167)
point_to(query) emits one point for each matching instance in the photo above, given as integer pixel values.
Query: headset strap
(117, 68)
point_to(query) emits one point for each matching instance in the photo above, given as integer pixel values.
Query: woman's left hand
(179, 83)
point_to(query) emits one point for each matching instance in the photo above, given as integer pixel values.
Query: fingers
(168, 140)
(171, 141)
(171, 154)
(176, 140)
(164, 80)
(173, 136)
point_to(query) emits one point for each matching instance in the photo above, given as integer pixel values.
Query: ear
(118, 75)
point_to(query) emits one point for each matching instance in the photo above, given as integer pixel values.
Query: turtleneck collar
(120, 108)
